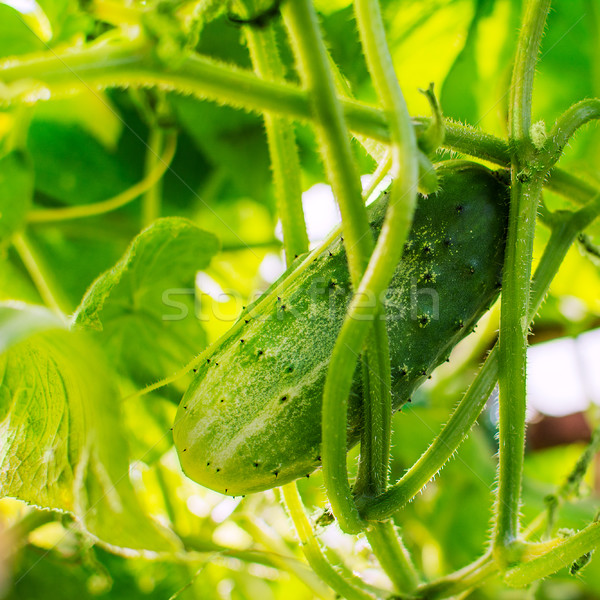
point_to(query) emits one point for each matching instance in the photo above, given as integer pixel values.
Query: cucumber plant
(309, 375)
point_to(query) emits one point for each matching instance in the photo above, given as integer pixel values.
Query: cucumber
(251, 418)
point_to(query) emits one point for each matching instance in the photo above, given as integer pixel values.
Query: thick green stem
(527, 181)
(128, 64)
(377, 415)
(393, 556)
(334, 139)
(312, 551)
(375, 449)
(512, 355)
(281, 138)
(561, 555)
(403, 194)
(521, 86)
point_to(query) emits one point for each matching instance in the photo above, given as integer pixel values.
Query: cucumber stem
(312, 550)
(527, 179)
(334, 142)
(128, 64)
(281, 139)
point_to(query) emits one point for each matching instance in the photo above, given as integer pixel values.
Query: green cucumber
(251, 418)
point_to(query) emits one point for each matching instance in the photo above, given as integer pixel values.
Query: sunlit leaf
(142, 310)
(62, 443)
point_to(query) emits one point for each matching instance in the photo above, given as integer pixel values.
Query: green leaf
(76, 252)
(459, 91)
(231, 139)
(142, 310)
(73, 167)
(16, 192)
(15, 36)
(62, 444)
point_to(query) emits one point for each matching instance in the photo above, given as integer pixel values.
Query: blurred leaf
(459, 93)
(16, 192)
(16, 37)
(77, 252)
(34, 17)
(91, 111)
(64, 439)
(330, 6)
(149, 420)
(73, 167)
(38, 571)
(565, 69)
(142, 310)
(434, 31)
(231, 138)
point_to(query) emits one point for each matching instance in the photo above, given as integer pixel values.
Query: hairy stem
(312, 551)
(562, 554)
(526, 187)
(384, 541)
(281, 138)
(403, 194)
(334, 141)
(393, 556)
(127, 63)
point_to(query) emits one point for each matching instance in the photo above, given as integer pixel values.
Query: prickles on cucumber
(251, 419)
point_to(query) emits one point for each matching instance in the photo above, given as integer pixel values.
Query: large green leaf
(62, 444)
(142, 310)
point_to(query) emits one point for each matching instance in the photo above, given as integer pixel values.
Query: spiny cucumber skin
(251, 419)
